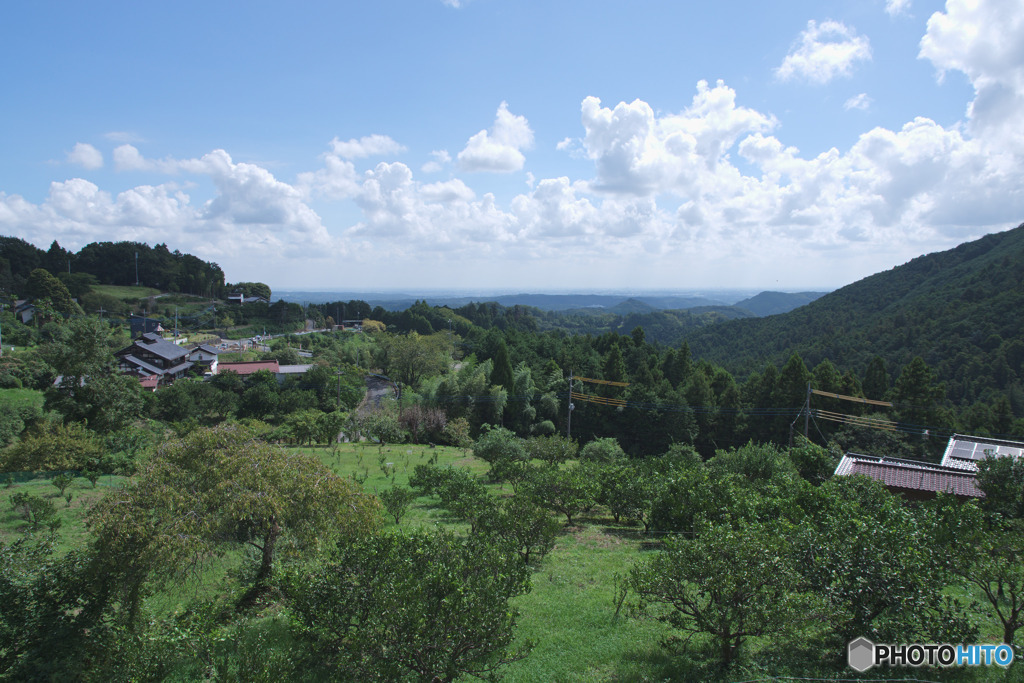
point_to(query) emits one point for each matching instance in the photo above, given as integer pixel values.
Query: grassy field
(130, 294)
(72, 532)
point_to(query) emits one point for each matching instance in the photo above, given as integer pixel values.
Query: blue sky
(517, 145)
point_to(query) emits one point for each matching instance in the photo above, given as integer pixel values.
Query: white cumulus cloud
(368, 146)
(500, 149)
(824, 51)
(86, 156)
(984, 40)
(638, 153)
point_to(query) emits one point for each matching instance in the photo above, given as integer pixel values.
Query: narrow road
(377, 389)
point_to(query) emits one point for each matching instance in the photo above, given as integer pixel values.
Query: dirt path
(377, 389)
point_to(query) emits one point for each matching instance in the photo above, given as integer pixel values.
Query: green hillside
(958, 310)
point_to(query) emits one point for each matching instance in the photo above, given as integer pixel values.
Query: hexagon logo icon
(860, 654)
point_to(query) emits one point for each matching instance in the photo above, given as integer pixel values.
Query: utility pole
(136, 269)
(572, 407)
(807, 412)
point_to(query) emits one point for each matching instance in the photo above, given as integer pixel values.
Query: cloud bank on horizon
(715, 192)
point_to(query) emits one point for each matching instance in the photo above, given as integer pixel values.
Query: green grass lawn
(129, 293)
(72, 532)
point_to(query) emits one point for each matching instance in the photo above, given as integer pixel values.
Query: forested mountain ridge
(773, 303)
(956, 309)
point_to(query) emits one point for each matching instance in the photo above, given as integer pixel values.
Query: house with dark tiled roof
(153, 356)
(912, 479)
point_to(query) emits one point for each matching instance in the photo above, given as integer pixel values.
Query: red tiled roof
(248, 367)
(912, 476)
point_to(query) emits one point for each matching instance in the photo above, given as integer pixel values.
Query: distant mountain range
(960, 310)
(765, 303)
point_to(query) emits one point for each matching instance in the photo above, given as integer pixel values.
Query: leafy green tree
(90, 389)
(42, 285)
(989, 555)
(501, 372)
(614, 367)
(78, 284)
(463, 495)
(53, 612)
(423, 606)
(812, 462)
(522, 414)
(303, 425)
(35, 510)
(409, 357)
(396, 501)
(384, 427)
(501, 448)
(552, 449)
(629, 491)
(918, 395)
(260, 398)
(62, 481)
(790, 395)
(693, 498)
(250, 289)
(522, 524)
(606, 451)
(195, 399)
(329, 425)
(15, 417)
(1002, 480)
(214, 488)
(876, 379)
(701, 397)
(759, 462)
(456, 433)
(569, 491)
(427, 478)
(872, 558)
(52, 447)
(731, 584)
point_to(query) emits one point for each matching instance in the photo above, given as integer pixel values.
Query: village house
(153, 356)
(205, 356)
(918, 480)
(912, 479)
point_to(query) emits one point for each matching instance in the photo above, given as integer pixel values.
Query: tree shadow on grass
(697, 662)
